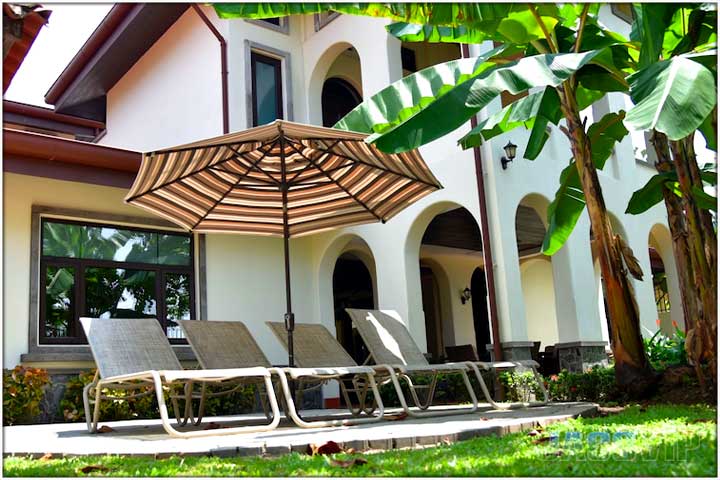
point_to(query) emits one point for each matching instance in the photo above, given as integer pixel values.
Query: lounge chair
(392, 348)
(230, 345)
(134, 354)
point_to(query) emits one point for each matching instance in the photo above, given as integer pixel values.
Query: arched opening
(450, 251)
(342, 87)
(481, 316)
(418, 55)
(668, 301)
(352, 288)
(536, 273)
(338, 98)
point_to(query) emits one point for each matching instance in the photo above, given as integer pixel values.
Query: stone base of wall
(580, 356)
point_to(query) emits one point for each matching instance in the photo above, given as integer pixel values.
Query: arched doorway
(481, 317)
(338, 98)
(352, 288)
(450, 251)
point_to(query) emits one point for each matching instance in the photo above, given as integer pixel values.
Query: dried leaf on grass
(544, 439)
(533, 433)
(558, 453)
(327, 448)
(105, 429)
(353, 462)
(94, 468)
(47, 456)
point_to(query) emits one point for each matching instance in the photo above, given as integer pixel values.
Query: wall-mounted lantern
(510, 150)
(465, 295)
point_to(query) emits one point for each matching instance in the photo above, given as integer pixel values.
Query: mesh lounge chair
(133, 354)
(318, 354)
(230, 345)
(392, 348)
(221, 345)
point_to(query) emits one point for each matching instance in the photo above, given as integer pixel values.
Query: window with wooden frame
(108, 271)
(267, 96)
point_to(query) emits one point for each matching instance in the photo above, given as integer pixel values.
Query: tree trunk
(632, 369)
(703, 255)
(678, 231)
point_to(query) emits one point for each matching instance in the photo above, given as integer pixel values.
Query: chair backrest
(461, 353)
(223, 344)
(123, 346)
(314, 346)
(386, 337)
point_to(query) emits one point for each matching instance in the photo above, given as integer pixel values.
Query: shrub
(450, 389)
(595, 385)
(664, 351)
(242, 401)
(23, 390)
(520, 386)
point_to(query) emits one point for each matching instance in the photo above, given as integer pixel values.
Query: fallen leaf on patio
(484, 418)
(327, 448)
(354, 462)
(47, 456)
(399, 416)
(105, 429)
(94, 468)
(212, 426)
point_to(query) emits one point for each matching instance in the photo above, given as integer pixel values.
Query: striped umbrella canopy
(282, 179)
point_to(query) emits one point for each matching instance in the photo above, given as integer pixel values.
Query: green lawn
(662, 440)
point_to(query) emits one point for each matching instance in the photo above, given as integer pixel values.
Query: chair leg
(91, 426)
(292, 412)
(510, 405)
(164, 417)
(413, 413)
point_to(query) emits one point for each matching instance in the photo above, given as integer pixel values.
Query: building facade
(196, 76)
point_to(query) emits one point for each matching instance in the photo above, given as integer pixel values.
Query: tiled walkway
(147, 437)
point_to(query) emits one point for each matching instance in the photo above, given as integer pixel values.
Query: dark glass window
(103, 271)
(266, 89)
(273, 20)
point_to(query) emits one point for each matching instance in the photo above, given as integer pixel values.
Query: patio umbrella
(282, 179)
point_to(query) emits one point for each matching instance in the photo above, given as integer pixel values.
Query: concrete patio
(147, 437)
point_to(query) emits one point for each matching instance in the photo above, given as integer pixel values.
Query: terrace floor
(147, 437)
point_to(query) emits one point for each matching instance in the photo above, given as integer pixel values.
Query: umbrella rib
(217, 202)
(340, 186)
(182, 177)
(274, 184)
(185, 149)
(307, 167)
(383, 168)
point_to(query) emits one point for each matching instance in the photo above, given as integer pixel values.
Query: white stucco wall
(539, 297)
(172, 95)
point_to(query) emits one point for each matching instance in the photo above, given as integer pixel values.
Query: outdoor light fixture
(510, 150)
(465, 295)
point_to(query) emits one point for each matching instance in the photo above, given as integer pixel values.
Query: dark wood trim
(75, 334)
(66, 171)
(47, 147)
(256, 58)
(486, 242)
(49, 114)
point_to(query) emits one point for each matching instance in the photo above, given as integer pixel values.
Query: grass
(661, 440)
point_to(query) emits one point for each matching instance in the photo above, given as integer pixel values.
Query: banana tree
(567, 52)
(678, 60)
